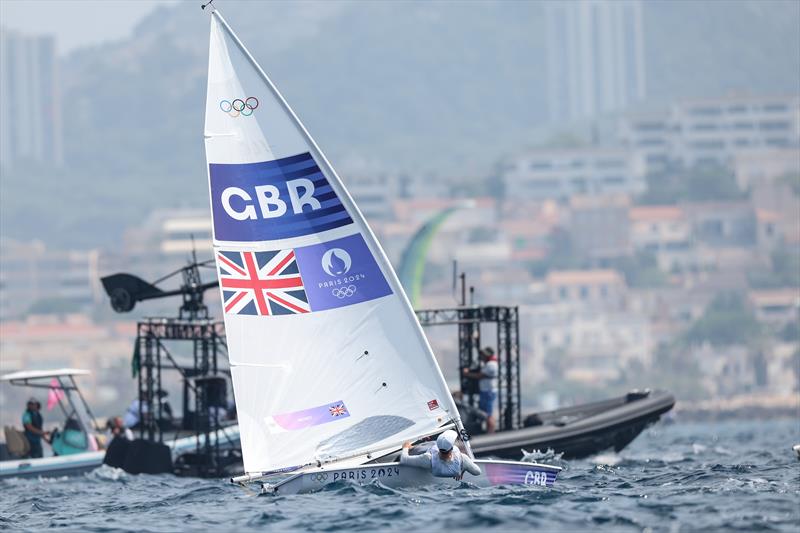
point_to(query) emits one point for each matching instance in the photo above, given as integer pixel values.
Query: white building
(763, 166)
(30, 113)
(596, 347)
(581, 323)
(595, 57)
(559, 173)
(53, 280)
(665, 231)
(594, 289)
(374, 193)
(713, 130)
(171, 232)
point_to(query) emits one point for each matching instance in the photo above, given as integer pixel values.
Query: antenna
(455, 278)
(194, 248)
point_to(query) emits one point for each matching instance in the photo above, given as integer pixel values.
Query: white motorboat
(330, 367)
(74, 444)
(74, 407)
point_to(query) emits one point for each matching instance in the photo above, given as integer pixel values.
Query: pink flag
(55, 394)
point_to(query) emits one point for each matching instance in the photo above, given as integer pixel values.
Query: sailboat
(332, 372)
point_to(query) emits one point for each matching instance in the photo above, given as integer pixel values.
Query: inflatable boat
(579, 431)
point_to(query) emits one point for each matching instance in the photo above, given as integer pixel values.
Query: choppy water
(679, 477)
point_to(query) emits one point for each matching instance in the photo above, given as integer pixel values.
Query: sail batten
(327, 357)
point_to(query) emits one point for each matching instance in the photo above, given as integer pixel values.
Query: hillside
(445, 87)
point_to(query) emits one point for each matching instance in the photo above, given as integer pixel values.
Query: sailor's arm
(467, 465)
(417, 461)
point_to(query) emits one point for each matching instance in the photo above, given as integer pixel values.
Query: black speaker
(215, 389)
(116, 452)
(145, 457)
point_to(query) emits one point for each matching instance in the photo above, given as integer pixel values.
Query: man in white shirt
(443, 460)
(487, 386)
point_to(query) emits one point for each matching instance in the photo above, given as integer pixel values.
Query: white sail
(327, 357)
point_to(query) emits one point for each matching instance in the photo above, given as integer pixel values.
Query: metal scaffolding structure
(201, 411)
(469, 320)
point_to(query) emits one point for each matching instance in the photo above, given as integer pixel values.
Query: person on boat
(131, 417)
(72, 438)
(487, 385)
(33, 423)
(118, 429)
(443, 460)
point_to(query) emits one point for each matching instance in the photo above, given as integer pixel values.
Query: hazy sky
(67, 19)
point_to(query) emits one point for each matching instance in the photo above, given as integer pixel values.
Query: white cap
(446, 440)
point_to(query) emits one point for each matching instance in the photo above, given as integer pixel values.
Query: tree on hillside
(700, 183)
(793, 181)
(785, 272)
(640, 269)
(726, 321)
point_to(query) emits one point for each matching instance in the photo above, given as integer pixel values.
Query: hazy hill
(415, 86)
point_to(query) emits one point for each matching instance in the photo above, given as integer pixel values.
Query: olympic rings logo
(345, 292)
(239, 107)
(320, 477)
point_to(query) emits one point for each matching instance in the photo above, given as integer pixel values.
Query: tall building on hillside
(30, 112)
(595, 57)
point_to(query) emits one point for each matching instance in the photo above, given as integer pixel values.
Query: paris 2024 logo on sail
(300, 280)
(336, 263)
(343, 271)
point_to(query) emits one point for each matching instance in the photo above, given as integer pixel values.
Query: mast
(352, 207)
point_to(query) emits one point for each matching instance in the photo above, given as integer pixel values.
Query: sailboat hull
(395, 475)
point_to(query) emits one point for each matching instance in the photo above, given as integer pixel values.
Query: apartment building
(712, 130)
(559, 173)
(33, 275)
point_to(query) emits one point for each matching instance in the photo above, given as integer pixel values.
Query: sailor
(443, 460)
(32, 422)
(487, 386)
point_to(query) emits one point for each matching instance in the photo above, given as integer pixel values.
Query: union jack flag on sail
(261, 283)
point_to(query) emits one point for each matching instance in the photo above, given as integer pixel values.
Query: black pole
(160, 416)
(139, 379)
(517, 367)
(509, 414)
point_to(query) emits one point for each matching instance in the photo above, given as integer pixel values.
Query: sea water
(739, 475)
